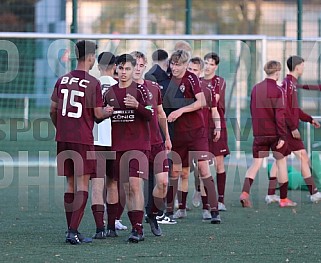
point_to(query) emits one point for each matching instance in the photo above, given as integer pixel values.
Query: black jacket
(159, 76)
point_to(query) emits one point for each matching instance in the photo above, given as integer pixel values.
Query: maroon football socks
(221, 181)
(80, 202)
(311, 185)
(172, 190)
(68, 204)
(182, 198)
(211, 193)
(247, 185)
(112, 213)
(98, 213)
(272, 185)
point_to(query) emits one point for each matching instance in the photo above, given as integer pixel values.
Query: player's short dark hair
(198, 61)
(271, 67)
(84, 48)
(214, 56)
(159, 55)
(116, 58)
(122, 59)
(293, 61)
(106, 59)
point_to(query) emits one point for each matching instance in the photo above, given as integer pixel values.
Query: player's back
(266, 98)
(77, 94)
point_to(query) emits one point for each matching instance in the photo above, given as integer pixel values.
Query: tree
(167, 16)
(17, 15)
(113, 17)
(250, 26)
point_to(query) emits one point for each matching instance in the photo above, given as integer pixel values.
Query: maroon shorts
(132, 163)
(263, 145)
(220, 147)
(158, 159)
(294, 144)
(190, 145)
(75, 159)
(105, 157)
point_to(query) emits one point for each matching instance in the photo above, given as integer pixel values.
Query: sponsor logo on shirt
(123, 116)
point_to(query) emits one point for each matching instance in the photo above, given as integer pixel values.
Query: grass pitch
(33, 224)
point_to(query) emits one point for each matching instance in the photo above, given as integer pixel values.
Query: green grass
(33, 225)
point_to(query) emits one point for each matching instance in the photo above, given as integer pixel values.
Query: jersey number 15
(72, 102)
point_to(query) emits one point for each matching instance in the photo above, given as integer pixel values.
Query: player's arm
(145, 111)
(217, 97)
(304, 116)
(280, 115)
(217, 121)
(199, 103)
(281, 127)
(307, 118)
(103, 113)
(217, 91)
(309, 87)
(289, 123)
(162, 120)
(54, 104)
(53, 112)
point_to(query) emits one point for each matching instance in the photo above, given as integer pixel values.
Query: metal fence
(30, 63)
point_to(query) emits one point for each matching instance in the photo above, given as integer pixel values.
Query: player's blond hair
(180, 56)
(138, 54)
(271, 67)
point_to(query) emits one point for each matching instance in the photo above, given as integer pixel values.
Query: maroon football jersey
(155, 99)
(268, 110)
(130, 127)
(77, 94)
(294, 113)
(189, 86)
(219, 85)
(209, 93)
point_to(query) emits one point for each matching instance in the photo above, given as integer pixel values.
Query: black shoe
(216, 219)
(81, 237)
(136, 237)
(154, 226)
(100, 235)
(146, 218)
(111, 233)
(84, 239)
(72, 238)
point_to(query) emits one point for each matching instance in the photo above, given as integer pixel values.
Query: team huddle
(129, 127)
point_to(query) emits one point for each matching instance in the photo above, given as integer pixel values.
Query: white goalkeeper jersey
(102, 131)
